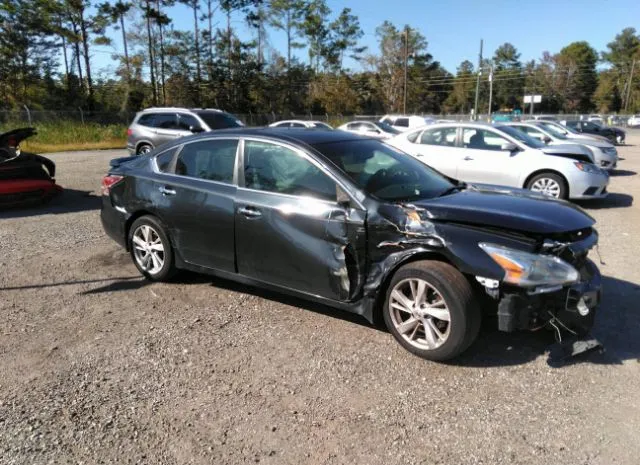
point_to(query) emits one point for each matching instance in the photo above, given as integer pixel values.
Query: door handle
(467, 158)
(164, 190)
(250, 212)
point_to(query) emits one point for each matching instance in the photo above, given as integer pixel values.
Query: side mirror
(509, 147)
(196, 128)
(546, 139)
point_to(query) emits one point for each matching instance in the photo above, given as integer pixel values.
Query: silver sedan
(480, 153)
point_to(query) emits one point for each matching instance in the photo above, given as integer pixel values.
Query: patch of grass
(59, 136)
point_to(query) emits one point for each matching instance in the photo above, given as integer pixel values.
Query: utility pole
(490, 90)
(475, 106)
(406, 60)
(626, 100)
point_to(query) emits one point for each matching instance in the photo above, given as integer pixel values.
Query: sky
(453, 28)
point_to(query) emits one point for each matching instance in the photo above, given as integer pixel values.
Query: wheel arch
(138, 214)
(142, 142)
(551, 171)
(381, 294)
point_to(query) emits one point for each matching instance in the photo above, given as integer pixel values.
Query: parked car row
(562, 161)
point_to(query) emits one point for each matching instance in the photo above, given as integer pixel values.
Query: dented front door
(305, 241)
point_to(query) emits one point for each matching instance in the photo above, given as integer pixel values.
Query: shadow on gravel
(616, 173)
(68, 283)
(613, 200)
(188, 277)
(617, 327)
(128, 284)
(70, 201)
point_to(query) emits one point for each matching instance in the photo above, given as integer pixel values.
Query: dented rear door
(290, 229)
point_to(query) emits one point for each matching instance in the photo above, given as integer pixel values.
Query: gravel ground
(99, 366)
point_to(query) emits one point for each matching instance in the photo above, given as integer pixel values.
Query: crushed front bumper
(568, 309)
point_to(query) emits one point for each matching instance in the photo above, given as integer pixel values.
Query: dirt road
(99, 366)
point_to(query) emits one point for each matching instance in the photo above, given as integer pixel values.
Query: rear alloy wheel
(151, 249)
(548, 184)
(144, 149)
(430, 310)
(619, 140)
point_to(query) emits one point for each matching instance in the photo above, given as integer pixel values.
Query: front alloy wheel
(420, 314)
(549, 184)
(431, 310)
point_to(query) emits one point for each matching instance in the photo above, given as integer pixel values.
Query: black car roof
(308, 136)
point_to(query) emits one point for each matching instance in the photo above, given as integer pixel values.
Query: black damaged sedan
(358, 225)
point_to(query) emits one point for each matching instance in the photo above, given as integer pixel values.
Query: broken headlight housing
(530, 270)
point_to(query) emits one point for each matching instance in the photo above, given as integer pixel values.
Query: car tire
(143, 149)
(445, 290)
(549, 184)
(151, 249)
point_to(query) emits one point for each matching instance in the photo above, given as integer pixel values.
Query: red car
(25, 178)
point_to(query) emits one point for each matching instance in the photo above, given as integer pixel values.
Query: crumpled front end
(568, 308)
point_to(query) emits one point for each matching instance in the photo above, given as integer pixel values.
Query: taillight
(108, 181)
(129, 132)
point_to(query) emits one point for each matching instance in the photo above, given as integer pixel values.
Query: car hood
(574, 151)
(505, 208)
(600, 143)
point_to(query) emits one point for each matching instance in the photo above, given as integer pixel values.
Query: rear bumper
(113, 222)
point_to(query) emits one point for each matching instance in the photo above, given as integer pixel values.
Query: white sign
(536, 98)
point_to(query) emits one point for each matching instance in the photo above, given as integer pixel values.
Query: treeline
(48, 52)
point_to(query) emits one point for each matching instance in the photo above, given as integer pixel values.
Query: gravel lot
(99, 366)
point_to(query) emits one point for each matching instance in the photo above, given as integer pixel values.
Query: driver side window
(445, 137)
(274, 168)
(481, 139)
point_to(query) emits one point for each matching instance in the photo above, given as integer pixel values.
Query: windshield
(386, 127)
(385, 172)
(555, 132)
(551, 126)
(521, 136)
(219, 120)
(318, 124)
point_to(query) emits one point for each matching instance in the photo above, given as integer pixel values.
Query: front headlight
(530, 270)
(587, 167)
(610, 151)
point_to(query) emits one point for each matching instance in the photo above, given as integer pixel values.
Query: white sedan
(370, 128)
(299, 123)
(480, 153)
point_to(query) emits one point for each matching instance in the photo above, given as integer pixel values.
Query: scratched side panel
(296, 242)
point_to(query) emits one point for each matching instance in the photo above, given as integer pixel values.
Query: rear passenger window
(402, 122)
(213, 160)
(185, 122)
(164, 160)
(146, 120)
(165, 121)
(273, 168)
(445, 137)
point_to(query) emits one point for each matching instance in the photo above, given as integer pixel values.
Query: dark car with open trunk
(353, 223)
